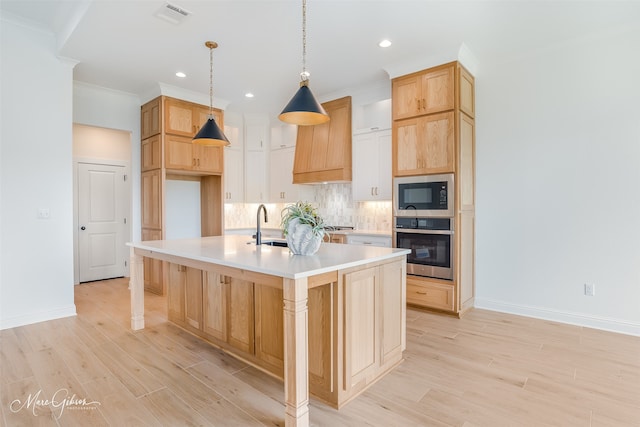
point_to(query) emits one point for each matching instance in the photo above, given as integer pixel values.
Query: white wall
(36, 262)
(558, 183)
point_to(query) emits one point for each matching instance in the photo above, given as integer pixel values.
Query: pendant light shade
(303, 109)
(210, 133)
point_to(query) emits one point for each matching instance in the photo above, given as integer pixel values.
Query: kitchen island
(343, 321)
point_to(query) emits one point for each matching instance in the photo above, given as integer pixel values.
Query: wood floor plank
(134, 376)
(486, 369)
(59, 385)
(118, 406)
(13, 361)
(19, 410)
(263, 408)
(172, 410)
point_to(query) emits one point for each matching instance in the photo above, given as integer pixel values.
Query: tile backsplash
(334, 203)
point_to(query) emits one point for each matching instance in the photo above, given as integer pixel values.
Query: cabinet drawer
(428, 294)
(382, 241)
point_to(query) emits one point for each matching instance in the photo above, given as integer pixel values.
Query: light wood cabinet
(335, 238)
(356, 319)
(240, 314)
(432, 136)
(193, 298)
(150, 119)
(167, 152)
(392, 316)
(151, 153)
(175, 293)
(323, 152)
(214, 306)
(184, 296)
(185, 118)
(438, 294)
(372, 166)
(181, 154)
(424, 145)
(424, 92)
(152, 199)
(361, 326)
(153, 280)
(269, 344)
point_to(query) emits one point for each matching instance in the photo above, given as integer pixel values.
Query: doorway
(102, 202)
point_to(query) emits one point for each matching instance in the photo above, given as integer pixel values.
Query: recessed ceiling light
(385, 43)
(248, 95)
(180, 74)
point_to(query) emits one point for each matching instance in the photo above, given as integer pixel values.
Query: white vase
(301, 239)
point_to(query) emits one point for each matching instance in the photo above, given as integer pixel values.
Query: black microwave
(423, 196)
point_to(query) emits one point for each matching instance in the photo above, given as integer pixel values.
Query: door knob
(83, 228)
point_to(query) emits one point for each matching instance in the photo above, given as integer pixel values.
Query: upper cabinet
(150, 123)
(425, 145)
(372, 166)
(425, 92)
(186, 118)
(323, 152)
(182, 154)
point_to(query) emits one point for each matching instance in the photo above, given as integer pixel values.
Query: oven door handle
(420, 231)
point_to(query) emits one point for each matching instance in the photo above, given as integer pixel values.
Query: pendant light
(303, 109)
(210, 133)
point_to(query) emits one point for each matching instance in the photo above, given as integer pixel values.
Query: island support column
(296, 353)
(136, 287)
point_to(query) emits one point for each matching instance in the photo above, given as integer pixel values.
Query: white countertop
(237, 252)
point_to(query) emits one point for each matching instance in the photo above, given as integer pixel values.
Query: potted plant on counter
(303, 228)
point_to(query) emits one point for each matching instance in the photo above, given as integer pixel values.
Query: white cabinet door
(282, 188)
(372, 166)
(255, 137)
(233, 176)
(256, 177)
(283, 136)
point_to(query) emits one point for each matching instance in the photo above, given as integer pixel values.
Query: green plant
(307, 214)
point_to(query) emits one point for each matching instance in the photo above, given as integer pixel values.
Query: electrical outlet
(589, 289)
(44, 213)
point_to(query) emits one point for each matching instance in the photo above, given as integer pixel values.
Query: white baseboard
(43, 316)
(604, 323)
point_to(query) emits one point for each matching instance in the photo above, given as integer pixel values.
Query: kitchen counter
(354, 297)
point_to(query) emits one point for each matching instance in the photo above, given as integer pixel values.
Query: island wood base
(330, 335)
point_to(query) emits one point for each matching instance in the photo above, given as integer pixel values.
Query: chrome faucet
(258, 232)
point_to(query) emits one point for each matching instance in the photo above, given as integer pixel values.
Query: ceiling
(122, 44)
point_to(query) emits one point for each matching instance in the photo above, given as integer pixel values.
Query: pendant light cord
(211, 82)
(304, 75)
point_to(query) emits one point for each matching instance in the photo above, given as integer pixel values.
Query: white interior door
(101, 221)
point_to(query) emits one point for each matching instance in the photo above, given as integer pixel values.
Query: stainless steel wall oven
(431, 243)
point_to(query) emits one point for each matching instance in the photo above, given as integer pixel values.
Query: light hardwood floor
(486, 369)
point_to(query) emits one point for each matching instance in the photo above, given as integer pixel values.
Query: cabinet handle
(372, 191)
(424, 104)
(421, 292)
(193, 162)
(198, 162)
(376, 191)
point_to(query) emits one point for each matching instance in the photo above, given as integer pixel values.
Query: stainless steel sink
(281, 243)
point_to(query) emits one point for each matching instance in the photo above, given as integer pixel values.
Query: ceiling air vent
(172, 13)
